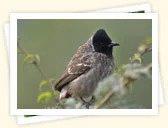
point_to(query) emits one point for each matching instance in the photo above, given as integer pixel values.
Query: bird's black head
(102, 42)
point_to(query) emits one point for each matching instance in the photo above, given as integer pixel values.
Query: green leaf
(148, 41)
(43, 83)
(137, 57)
(142, 48)
(44, 97)
(37, 57)
(29, 58)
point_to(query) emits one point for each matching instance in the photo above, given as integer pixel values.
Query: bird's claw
(87, 104)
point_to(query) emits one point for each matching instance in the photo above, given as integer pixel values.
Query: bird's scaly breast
(86, 84)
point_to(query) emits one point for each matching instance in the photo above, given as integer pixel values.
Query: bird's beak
(113, 44)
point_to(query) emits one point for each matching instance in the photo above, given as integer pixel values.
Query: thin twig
(105, 99)
(35, 63)
(22, 50)
(40, 70)
(145, 51)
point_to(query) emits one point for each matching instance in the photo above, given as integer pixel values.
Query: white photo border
(131, 8)
(13, 64)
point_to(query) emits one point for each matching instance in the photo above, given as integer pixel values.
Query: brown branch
(126, 81)
(105, 99)
(143, 49)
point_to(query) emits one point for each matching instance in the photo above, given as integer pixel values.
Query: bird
(92, 62)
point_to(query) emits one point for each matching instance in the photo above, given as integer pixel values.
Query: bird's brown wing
(76, 68)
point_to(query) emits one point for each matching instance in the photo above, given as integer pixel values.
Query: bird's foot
(87, 104)
(92, 100)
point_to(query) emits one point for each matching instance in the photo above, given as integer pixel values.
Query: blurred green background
(57, 40)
